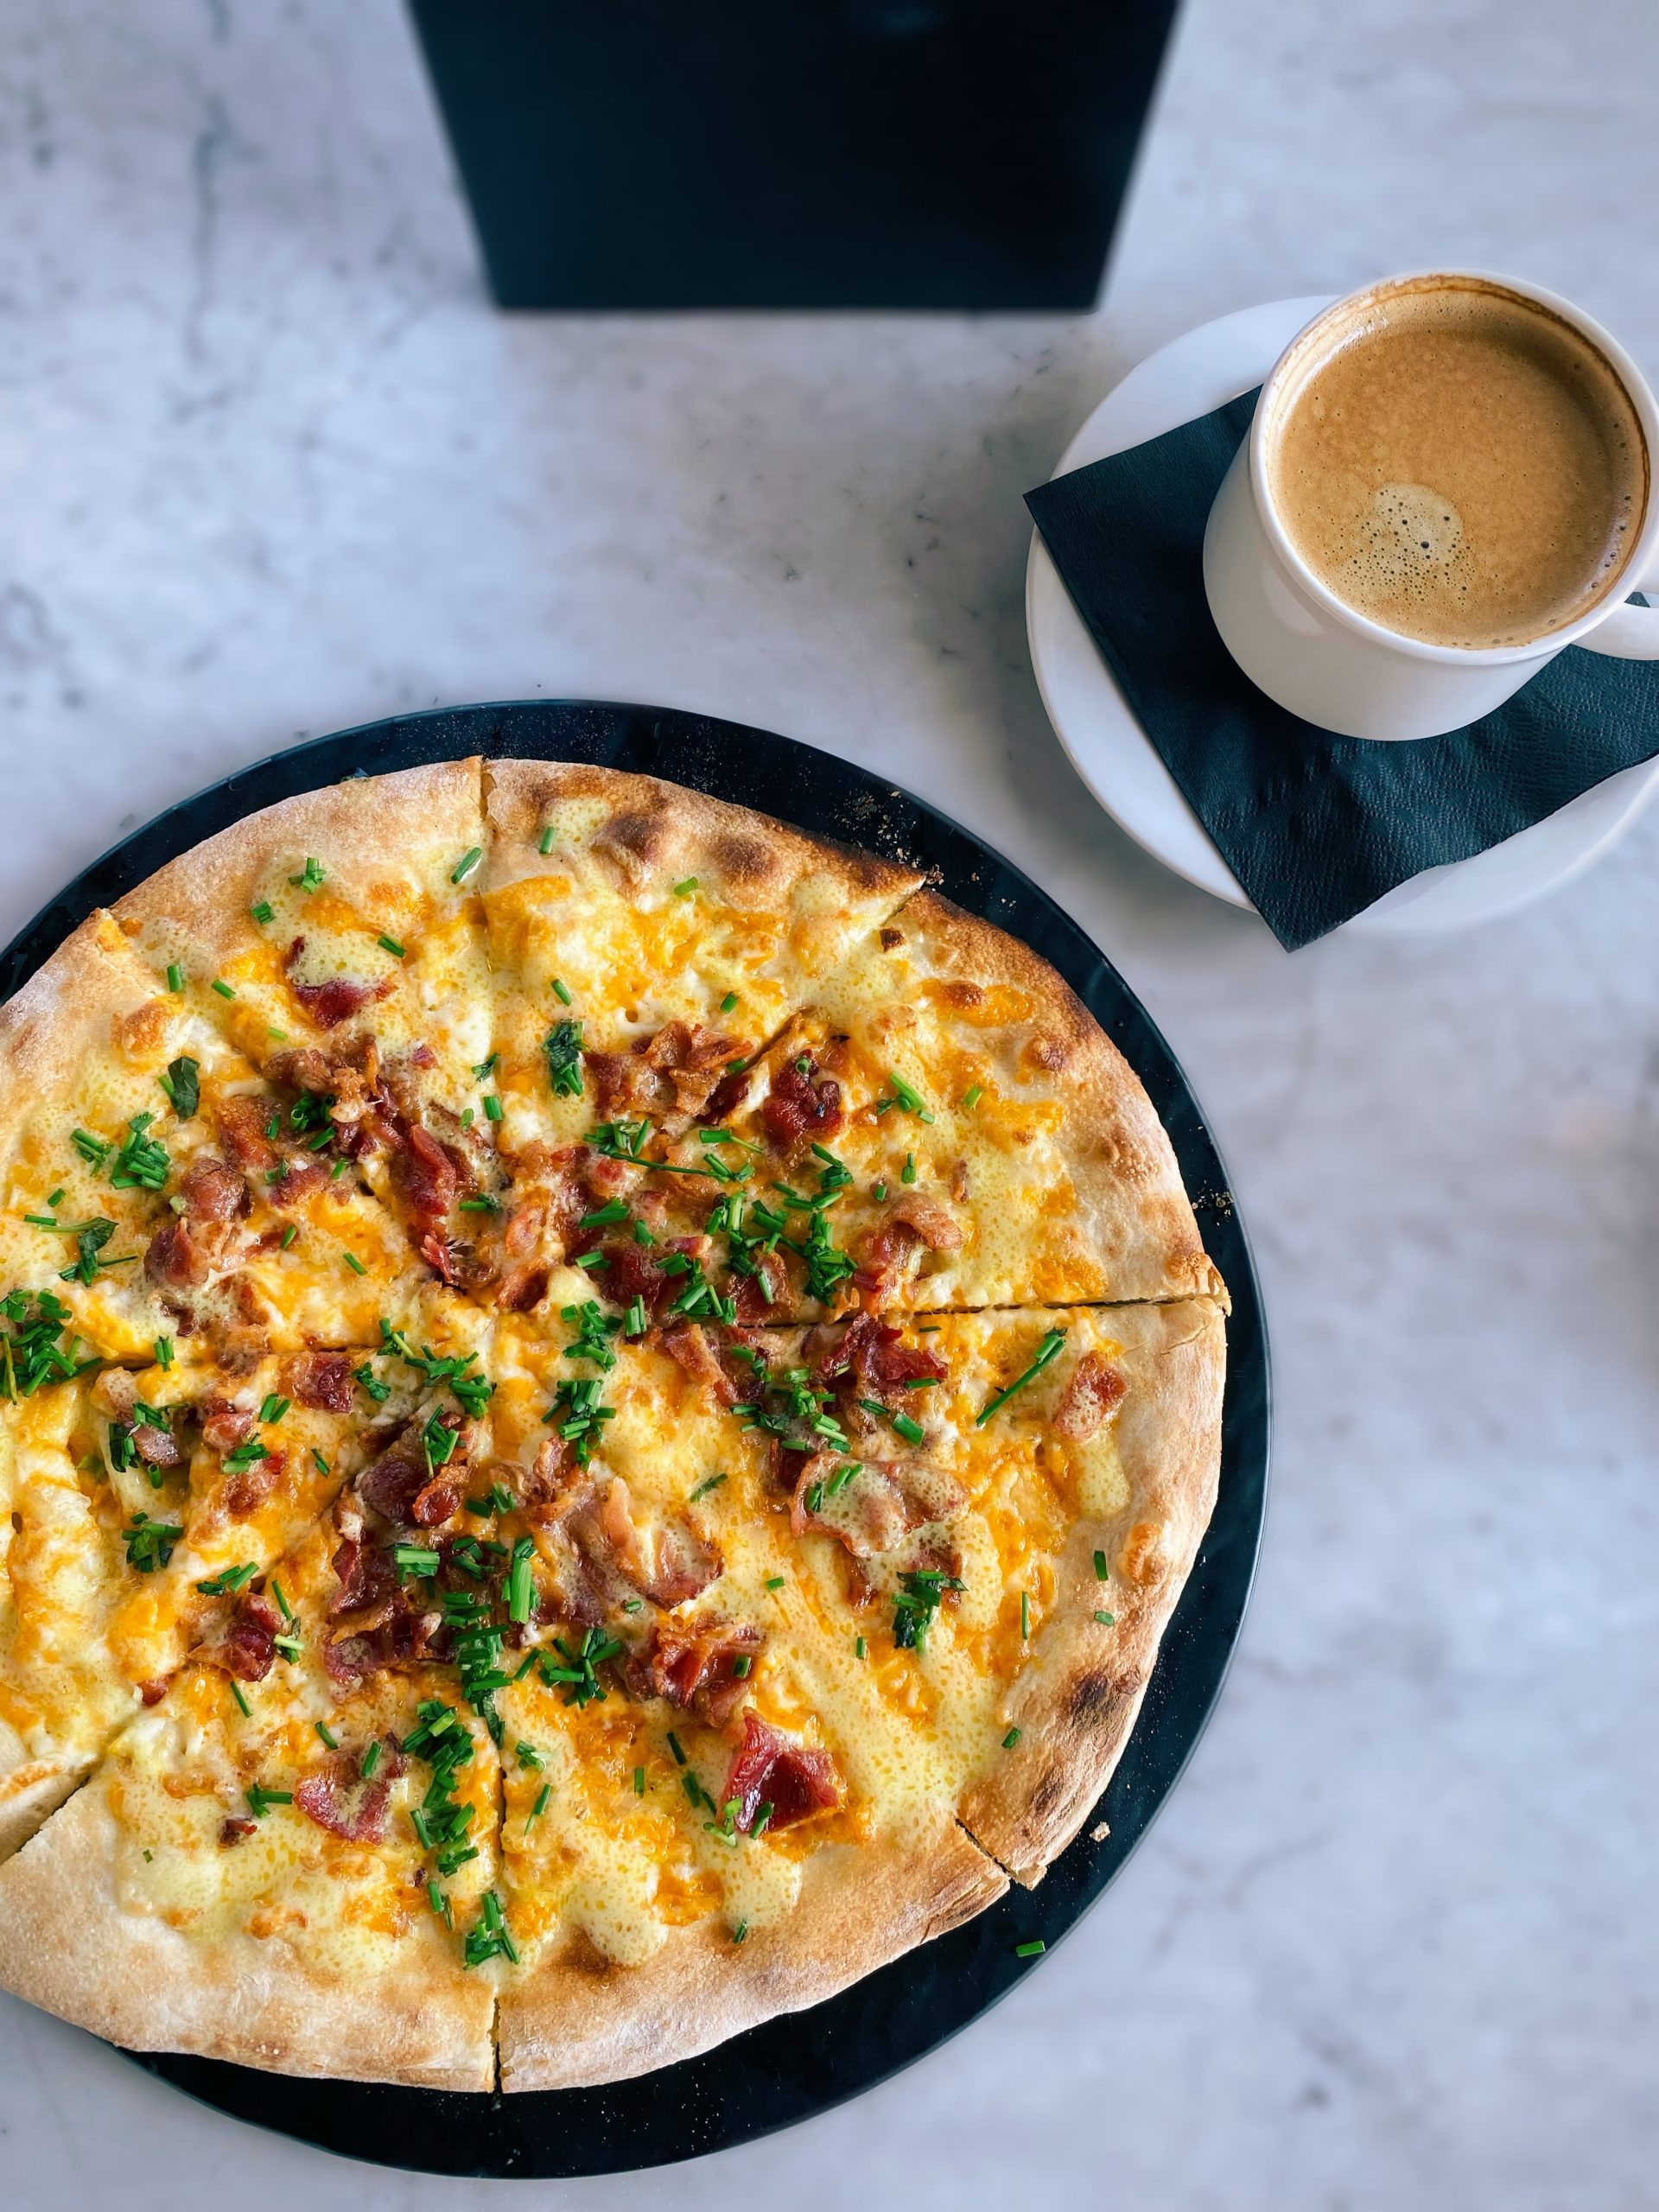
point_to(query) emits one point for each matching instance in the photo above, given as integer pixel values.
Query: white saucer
(1186, 379)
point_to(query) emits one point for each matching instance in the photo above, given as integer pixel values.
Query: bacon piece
(225, 1424)
(428, 1177)
(296, 1182)
(1089, 1399)
(871, 1359)
(319, 1379)
(697, 1351)
(247, 1488)
(212, 1191)
(249, 1646)
(914, 1225)
(401, 1488)
(173, 1261)
(702, 1663)
(878, 1507)
(236, 1828)
(157, 1447)
(154, 1690)
(368, 1582)
(755, 1295)
(669, 1563)
(336, 1796)
(671, 1076)
(802, 1103)
(242, 1122)
(772, 1768)
(330, 1003)
(522, 1286)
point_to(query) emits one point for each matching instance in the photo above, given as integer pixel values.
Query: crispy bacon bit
(428, 1177)
(297, 1181)
(330, 1003)
(320, 1379)
(157, 1447)
(522, 1229)
(876, 1509)
(368, 1581)
(522, 1286)
(703, 1664)
(337, 1797)
(802, 1104)
(874, 1358)
(242, 1122)
(116, 1392)
(248, 1488)
(671, 1076)
(213, 1192)
(236, 1828)
(173, 1261)
(772, 1768)
(669, 1563)
(249, 1645)
(914, 1225)
(225, 1424)
(155, 1690)
(403, 1489)
(755, 1295)
(699, 1351)
(1089, 1399)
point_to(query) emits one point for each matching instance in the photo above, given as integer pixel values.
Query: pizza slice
(823, 1632)
(140, 1498)
(947, 1125)
(155, 1185)
(277, 1864)
(337, 942)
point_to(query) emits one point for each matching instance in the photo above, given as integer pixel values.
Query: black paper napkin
(1314, 826)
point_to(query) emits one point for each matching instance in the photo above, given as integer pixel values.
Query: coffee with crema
(1458, 463)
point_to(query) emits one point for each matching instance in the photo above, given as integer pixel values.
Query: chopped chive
(318, 1461)
(282, 1605)
(468, 861)
(326, 1734)
(859, 1647)
(774, 1582)
(728, 1002)
(541, 1797)
(1101, 1568)
(223, 987)
(638, 1781)
(288, 1235)
(912, 1431)
(708, 1483)
(273, 1408)
(261, 1801)
(686, 885)
(1010, 1739)
(163, 1351)
(560, 992)
(1033, 1950)
(674, 1746)
(236, 1692)
(390, 944)
(546, 845)
(310, 877)
(370, 1760)
(355, 1263)
(908, 1174)
(636, 1323)
(1025, 1616)
(1106, 1620)
(880, 1193)
(740, 1666)
(492, 1107)
(174, 976)
(592, 1260)
(1046, 1350)
(262, 912)
(971, 1097)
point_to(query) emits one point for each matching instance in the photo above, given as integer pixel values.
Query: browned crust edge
(68, 1945)
(1076, 1701)
(582, 2020)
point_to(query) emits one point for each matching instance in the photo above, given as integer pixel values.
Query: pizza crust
(68, 1944)
(1077, 1699)
(578, 2018)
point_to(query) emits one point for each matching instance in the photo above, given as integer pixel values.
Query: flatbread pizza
(603, 1405)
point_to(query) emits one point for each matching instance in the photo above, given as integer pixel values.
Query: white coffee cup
(1339, 668)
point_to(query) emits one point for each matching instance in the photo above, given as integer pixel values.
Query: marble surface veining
(269, 465)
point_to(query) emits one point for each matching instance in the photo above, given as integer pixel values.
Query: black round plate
(793, 2067)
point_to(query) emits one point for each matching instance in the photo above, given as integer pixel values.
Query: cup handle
(1628, 633)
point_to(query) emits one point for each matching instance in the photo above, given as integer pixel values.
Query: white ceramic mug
(1302, 646)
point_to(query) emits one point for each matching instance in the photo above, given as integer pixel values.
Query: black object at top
(803, 2063)
(1315, 827)
(646, 153)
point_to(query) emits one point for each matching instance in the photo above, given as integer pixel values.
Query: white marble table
(269, 465)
